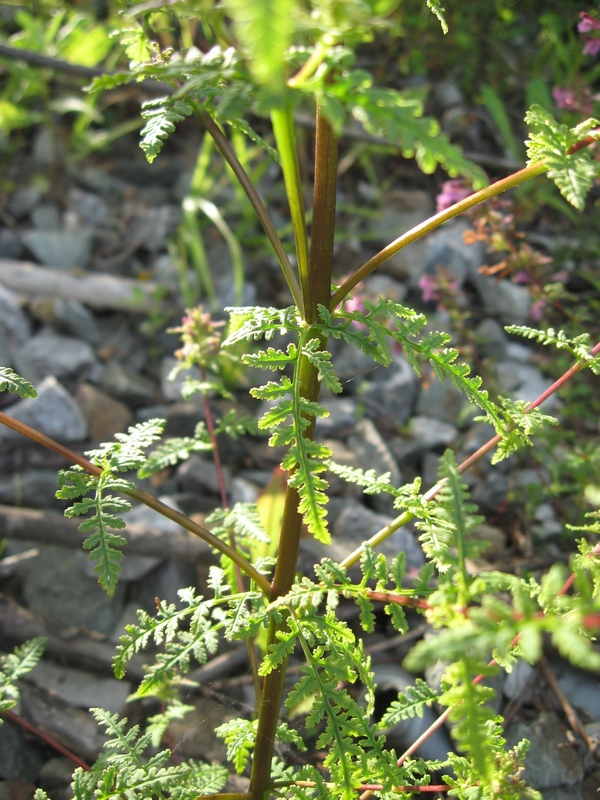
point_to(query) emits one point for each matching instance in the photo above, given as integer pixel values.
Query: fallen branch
(98, 291)
(51, 527)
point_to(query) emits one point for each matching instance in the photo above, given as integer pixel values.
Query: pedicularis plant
(265, 59)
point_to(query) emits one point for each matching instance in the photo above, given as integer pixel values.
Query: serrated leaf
(573, 173)
(161, 115)
(11, 382)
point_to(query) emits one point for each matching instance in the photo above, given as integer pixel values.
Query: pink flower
(591, 46)
(521, 277)
(537, 309)
(588, 23)
(564, 98)
(452, 192)
(433, 289)
(429, 289)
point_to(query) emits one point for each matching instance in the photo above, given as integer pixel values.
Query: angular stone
(165, 581)
(390, 394)
(60, 249)
(442, 401)
(33, 488)
(492, 342)
(46, 217)
(552, 761)
(49, 353)
(504, 299)
(127, 385)
(354, 525)
(20, 757)
(53, 412)
(371, 452)
(171, 387)
(68, 316)
(12, 318)
(198, 474)
(55, 587)
(82, 689)
(104, 415)
(400, 211)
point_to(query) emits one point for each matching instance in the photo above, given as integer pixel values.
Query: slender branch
(407, 516)
(434, 222)
(143, 497)
(260, 210)
(522, 175)
(49, 62)
(49, 740)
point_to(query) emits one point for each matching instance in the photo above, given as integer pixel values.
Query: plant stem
(230, 157)
(285, 138)
(434, 222)
(407, 516)
(143, 497)
(316, 283)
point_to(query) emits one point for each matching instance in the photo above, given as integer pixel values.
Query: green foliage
(270, 59)
(113, 458)
(412, 703)
(199, 638)
(572, 172)
(11, 382)
(161, 114)
(580, 347)
(127, 768)
(13, 666)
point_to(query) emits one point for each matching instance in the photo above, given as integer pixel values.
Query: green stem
(230, 157)
(143, 497)
(316, 283)
(434, 222)
(285, 138)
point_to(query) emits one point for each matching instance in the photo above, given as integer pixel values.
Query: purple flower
(452, 192)
(591, 46)
(537, 309)
(429, 288)
(588, 23)
(564, 98)
(521, 277)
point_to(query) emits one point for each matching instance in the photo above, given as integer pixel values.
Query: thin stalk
(216, 454)
(285, 138)
(434, 222)
(143, 497)
(316, 282)
(531, 171)
(230, 157)
(407, 516)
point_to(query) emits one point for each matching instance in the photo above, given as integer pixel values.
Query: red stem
(45, 738)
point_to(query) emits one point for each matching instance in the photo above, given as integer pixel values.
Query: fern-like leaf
(573, 173)
(13, 666)
(11, 382)
(171, 452)
(411, 703)
(240, 737)
(161, 115)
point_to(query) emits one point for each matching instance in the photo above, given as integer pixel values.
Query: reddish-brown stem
(239, 580)
(142, 497)
(399, 599)
(37, 732)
